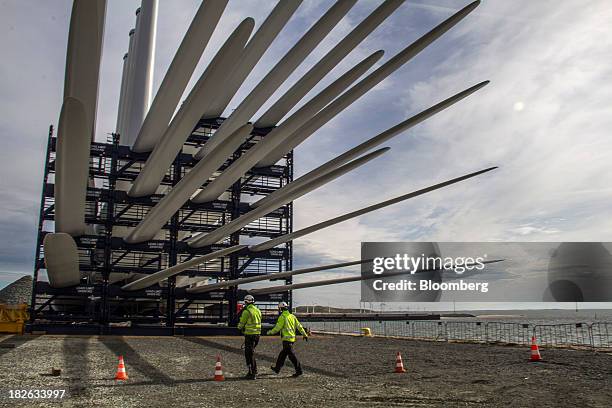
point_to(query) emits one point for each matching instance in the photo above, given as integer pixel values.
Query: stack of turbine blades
(234, 225)
(250, 158)
(157, 277)
(313, 228)
(209, 83)
(279, 275)
(157, 217)
(369, 144)
(278, 74)
(163, 136)
(350, 96)
(305, 84)
(181, 68)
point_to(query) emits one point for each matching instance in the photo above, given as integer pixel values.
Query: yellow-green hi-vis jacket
(286, 325)
(250, 320)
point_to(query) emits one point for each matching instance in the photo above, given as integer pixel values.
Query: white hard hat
(249, 299)
(283, 305)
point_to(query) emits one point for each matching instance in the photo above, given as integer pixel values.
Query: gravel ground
(341, 371)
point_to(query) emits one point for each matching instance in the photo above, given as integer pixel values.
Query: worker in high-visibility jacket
(287, 324)
(250, 326)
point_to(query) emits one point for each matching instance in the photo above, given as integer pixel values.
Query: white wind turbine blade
(282, 199)
(286, 102)
(277, 135)
(371, 143)
(253, 52)
(175, 81)
(61, 260)
(83, 57)
(364, 86)
(142, 75)
(277, 75)
(71, 168)
(176, 269)
(211, 82)
(280, 275)
(180, 193)
(313, 228)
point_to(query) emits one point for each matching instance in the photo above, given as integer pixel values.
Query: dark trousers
(287, 351)
(250, 342)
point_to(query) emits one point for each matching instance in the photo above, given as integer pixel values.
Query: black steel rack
(98, 305)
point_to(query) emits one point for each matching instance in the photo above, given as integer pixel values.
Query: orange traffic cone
(218, 370)
(535, 351)
(399, 365)
(121, 374)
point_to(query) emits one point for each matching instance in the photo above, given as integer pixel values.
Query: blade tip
(247, 24)
(490, 169)
(470, 7)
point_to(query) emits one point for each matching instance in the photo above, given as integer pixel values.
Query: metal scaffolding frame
(98, 306)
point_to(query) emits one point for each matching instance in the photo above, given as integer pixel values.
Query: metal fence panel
(568, 334)
(601, 335)
(466, 331)
(509, 333)
(429, 330)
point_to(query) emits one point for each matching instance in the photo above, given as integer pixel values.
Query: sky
(544, 120)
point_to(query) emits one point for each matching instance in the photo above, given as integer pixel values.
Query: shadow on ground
(119, 346)
(239, 351)
(77, 370)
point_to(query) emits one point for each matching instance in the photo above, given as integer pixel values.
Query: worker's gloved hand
(305, 338)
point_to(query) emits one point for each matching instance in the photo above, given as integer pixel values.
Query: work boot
(250, 375)
(276, 370)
